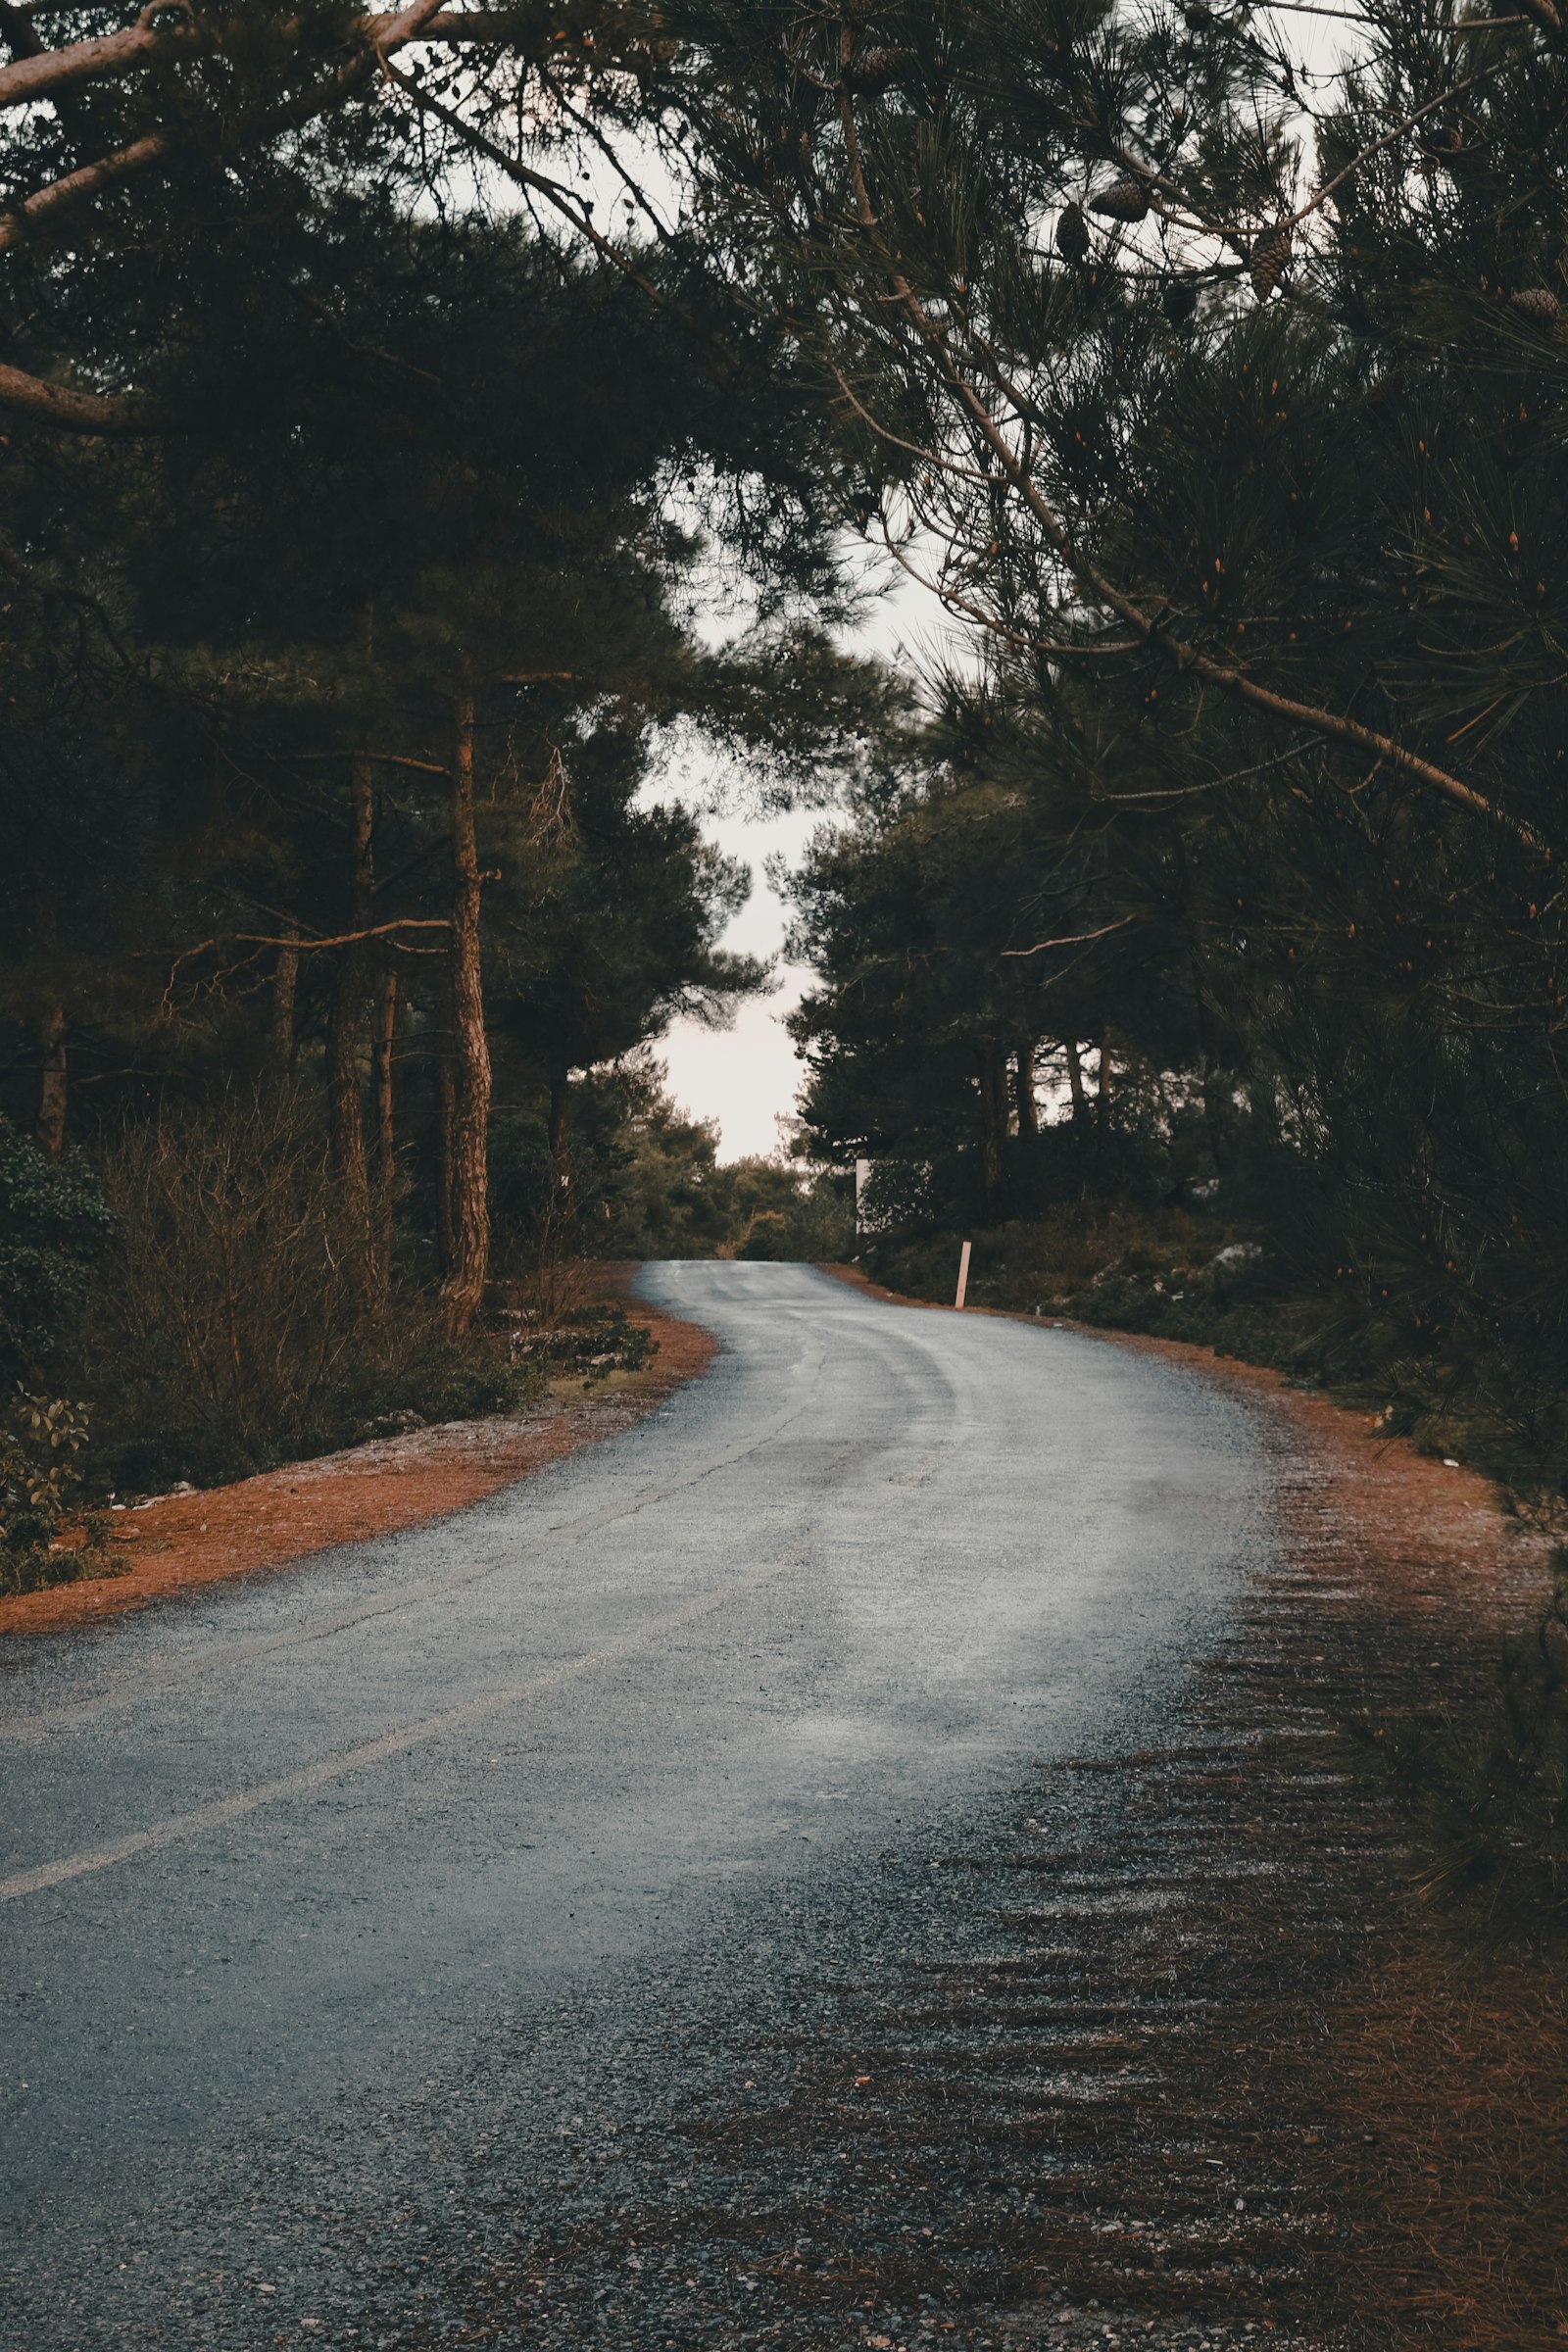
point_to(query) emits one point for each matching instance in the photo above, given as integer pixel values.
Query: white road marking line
(134, 1687)
(224, 1809)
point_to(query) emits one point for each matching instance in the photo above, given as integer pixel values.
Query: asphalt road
(341, 1909)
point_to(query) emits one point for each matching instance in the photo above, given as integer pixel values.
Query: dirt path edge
(1436, 2077)
(284, 1518)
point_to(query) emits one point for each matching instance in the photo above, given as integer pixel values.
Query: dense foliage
(1217, 388)
(1213, 379)
(366, 537)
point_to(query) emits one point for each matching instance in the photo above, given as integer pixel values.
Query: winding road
(335, 1904)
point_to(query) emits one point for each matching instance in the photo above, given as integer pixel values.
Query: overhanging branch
(71, 412)
(1182, 656)
(383, 35)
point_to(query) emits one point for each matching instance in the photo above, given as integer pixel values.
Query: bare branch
(927, 457)
(1389, 139)
(106, 59)
(384, 34)
(340, 939)
(427, 767)
(73, 411)
(38, 211)
(110, 56)
(1077, 939)
(563, 200)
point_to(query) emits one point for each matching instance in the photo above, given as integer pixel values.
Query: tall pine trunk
(994, 1112)
(345, 1098)
(1075, 1081)
(383, 1043)
(1028, 1109)
(445, 1120)
(54, 1090)
(285, 992)
(469, 1255)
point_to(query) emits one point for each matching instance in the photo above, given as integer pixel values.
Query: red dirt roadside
(279, 1520)
(1439, 2076)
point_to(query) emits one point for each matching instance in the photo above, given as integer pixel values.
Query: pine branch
(71, 411)
(562, 199)
(1183, 655)
(384, 34)
(340, 939)
(1076, 939)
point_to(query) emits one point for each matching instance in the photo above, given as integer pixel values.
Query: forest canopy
(1209, 371)
(396, 399)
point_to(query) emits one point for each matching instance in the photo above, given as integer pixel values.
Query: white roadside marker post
(963, 1276)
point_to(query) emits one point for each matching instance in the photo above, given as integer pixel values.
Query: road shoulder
(1402, 2079)
(284, 1518)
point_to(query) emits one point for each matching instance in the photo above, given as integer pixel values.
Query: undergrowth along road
(175, 1543)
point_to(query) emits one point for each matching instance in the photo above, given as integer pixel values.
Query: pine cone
(1128, 200)
(1442, 144)
(1179, 302)
(1537, 303)
(1072, 234)
(1268, 259)
(878, 70)
(1196, 18)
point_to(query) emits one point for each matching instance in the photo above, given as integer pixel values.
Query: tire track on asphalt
(218, 1812)
(570, 1530)
(222, 1810)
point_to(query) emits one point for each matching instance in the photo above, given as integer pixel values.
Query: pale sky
(747, 1077)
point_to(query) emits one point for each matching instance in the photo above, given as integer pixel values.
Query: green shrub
(46, 1538)
(592, 1340)
(55, 1225)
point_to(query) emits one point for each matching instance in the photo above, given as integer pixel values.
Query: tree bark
(1024, 1090)
(384, 1176)
(1210, 1076)
(445, 1120)
(345, 1099)
(1102, 1095)
(469, 1264)
(55, 1088)
(44, 72)
(994, 1112)
(285, 992)
(1075, 1081)
(71, 411)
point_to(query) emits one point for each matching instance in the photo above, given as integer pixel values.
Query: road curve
(315, 1883)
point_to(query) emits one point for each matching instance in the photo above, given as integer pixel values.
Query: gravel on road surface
(808, 1871)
